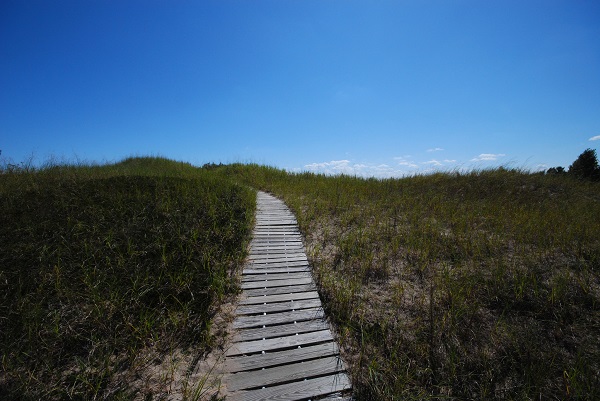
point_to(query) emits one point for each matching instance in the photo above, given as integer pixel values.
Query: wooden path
(282, 347)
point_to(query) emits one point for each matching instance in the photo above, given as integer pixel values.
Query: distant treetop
(584, 167)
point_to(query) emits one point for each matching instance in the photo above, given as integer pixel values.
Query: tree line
(584, 167)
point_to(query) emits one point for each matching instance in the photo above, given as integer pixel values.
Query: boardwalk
(282, 347)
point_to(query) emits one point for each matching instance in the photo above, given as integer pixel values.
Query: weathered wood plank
(296, 390)
(249, 321)
(286, 245)
(277, 229)
(276, 270)
(275, 276)
(285, 373)
(255, 258)
(281, 330)
(283, 236)
(290, 289)
(276, 222)
(278, 233)
(283, 239)
(259, 361)
(278, 306)
(253, 300)
(274, 283)
(276, 265)
(277, 241)
(267, 256)
(278, 251)
(270, 262)
(258, 250)
(250, 347)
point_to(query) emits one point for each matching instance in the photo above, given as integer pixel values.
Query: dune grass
(106, 271)
(482, 285)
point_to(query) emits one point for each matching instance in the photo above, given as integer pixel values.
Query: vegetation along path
(282, 348)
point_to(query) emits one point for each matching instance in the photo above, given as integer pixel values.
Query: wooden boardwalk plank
(276, 270)
(259, 361)
(281, 330)
(297, 390)
(250, 347)
(257, 257)
(281, 236)
(278, 258)
(247, 321)
(295, 247)
(290, 289)
(286, 373)
(279, 297)
(277, 264)
(277, 241)
(278, 247)
(278, 306)
(282, 222)
(261, 276)
(285, 243)
(247, 285)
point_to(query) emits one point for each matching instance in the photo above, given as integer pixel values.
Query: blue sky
(381, 88)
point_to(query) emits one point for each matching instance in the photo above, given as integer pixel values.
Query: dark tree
(556, 170)
(586, 166)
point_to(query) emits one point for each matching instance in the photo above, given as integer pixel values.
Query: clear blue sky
(366, 87)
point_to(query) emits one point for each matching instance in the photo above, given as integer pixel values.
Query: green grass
(482, 285)
(106, 271)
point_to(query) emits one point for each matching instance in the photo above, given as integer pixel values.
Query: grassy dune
(455, 286)
(106, 271)
(448, 286)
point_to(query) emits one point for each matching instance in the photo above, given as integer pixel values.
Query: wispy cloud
(403, 161)
(438, 163)
(595, 138)
(335, 167)
(433, 163)
(488, 157)
(435, 149)
(402, 166)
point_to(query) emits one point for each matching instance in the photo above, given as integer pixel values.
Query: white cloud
(488, 157)
(433, 163)
(332, 167)
(435, 150)
(595, 138)
(402, 161)
(402, 166)
(336, 167)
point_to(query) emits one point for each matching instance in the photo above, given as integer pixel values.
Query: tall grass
(484, 285)
(106, 270)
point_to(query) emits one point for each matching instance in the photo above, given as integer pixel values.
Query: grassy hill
(106, 270)
(447, 286)
(482, 285)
